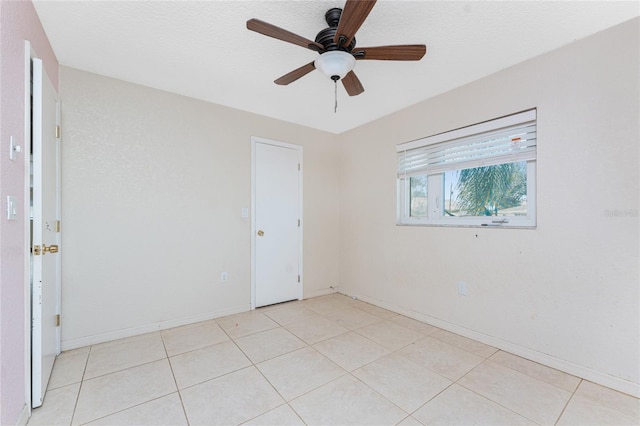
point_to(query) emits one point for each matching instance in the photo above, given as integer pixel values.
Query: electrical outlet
(462, 288)
(223, 277)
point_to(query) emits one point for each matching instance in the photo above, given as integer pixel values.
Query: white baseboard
(24, 415)
(148, 328)
(530, 354)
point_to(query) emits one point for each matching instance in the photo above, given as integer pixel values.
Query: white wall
(18, 22)
(153, 185)
(567, 293)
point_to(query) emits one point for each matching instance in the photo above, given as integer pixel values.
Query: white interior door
(45, 283)
(277, 218)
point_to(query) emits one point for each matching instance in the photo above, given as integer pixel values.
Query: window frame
(435, 181)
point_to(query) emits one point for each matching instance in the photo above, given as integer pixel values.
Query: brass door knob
(261, 232)
(53, 248)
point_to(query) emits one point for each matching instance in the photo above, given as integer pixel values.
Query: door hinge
(298, 278)
(58, 320)
(36, 250)
(57, 132)
(298, 166)
(298, 223)
(57, 226)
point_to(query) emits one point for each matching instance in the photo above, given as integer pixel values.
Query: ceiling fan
(337, 46)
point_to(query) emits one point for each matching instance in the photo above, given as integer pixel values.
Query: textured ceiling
(202, 49)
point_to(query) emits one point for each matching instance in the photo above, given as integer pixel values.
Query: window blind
(504, 140)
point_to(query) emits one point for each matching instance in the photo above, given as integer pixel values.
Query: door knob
(261, 232)
(53, 248)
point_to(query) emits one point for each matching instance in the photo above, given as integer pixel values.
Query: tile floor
(330, 360)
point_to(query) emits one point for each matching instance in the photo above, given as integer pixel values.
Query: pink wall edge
(18, 22)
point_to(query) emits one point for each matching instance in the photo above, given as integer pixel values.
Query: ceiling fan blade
(295, 74)
(282, 34)
(407, 52)
(353, 15)
(352, 84)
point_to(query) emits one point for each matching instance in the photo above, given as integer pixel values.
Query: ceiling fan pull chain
(335, 94)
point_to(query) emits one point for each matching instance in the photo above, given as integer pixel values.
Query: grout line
(297, 414)
(84, 370)
(567, 403)
(124, 369)
(496, 403)
(381, 395)
(537, 378)
(486, 397)
(533, 377)
(173, 374)
(129, 408)
(433, 397)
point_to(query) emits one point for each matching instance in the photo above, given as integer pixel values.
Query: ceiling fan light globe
(335, 63)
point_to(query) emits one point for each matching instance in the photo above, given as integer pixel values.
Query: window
(480, 175)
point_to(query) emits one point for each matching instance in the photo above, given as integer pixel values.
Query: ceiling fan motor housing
(325, 37)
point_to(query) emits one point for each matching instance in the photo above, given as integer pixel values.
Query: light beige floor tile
(333, 297)
(389, 334)
(204, 364)
(403, 382)
(441, 358)
(585, 412)
(346, 401)
(537, 371)
(341, 296)
(193, 336)
(57, 408)
(165, 411)
(459, 406)
(351, 350)
(246, 323)
(269, 344)
(268, 308)
(115, 392)
(352, 318)
(325, 305)
(77, 351)
(281, 416)
(316, 329)
(609, 398)
(290, 313)
(298, 372)
(68, 369)
(529, 397)
(375, 310)
(111, 358)
(410, 421)
(414, 325)
(464, 343)
(124, 340)
(230, 399)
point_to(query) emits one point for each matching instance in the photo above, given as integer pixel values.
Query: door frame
(254, 141)
(29, 54)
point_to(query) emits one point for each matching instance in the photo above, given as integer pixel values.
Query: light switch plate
(12, 208)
